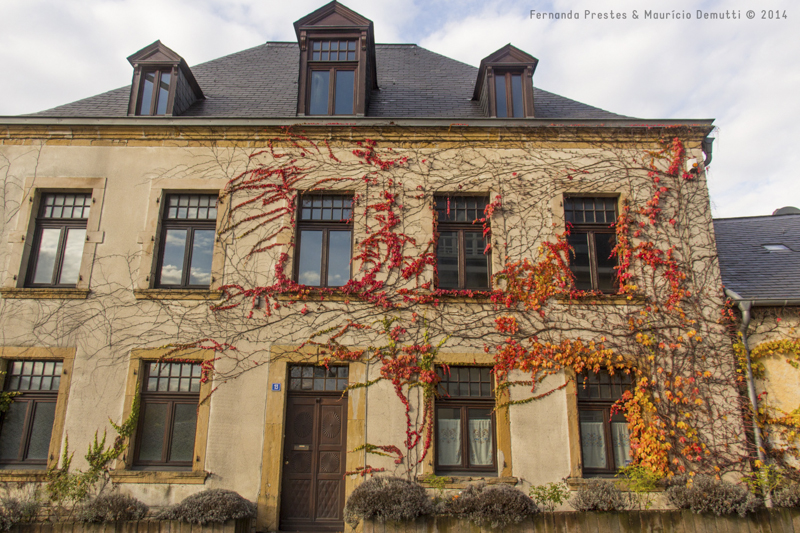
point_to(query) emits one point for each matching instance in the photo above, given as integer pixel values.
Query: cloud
(743, 73)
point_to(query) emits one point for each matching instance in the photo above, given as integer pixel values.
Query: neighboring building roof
(262, 83)
(750, 269)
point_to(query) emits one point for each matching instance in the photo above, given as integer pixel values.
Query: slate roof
(262, 83)
(748, 268)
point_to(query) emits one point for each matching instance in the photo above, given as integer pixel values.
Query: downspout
(708, 148)
(745, 307)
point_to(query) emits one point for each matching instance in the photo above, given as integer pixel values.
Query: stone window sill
(602, 299)
(152, 476)
(461, 482)
(176, 294)
(23, 476)
(45, 293)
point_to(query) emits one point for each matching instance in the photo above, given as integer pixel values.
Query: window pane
(448, 432)
(11, 432)
(621, 443)
(604, 244)
(174, 252)
(202, 251)
(338, 258)
(447, 259)
(480, 437)
(44, 415)
(147, 93)
(500, 93)
(310, 262)
(163, 94)
(593, 439)
(153, 427)
(343, 96)
(318, 101)
(516, 95)
(183, 430)
(477, 264)
(46, 258)
(579, 262)
(73, 251)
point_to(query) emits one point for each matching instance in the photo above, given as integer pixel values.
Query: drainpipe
(708, 146)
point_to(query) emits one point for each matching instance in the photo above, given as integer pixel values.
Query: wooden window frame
(191, 225)
(604, 406)
(159, 71)
(172, 399)
(507, 75)
(64, 224)
(592, 230)
(464, 404)
(326, 226)
(32, 398)
(461, 228)
(332, 67)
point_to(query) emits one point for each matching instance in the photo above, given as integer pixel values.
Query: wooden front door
(314, 453)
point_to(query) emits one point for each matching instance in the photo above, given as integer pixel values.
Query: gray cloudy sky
(745, 73)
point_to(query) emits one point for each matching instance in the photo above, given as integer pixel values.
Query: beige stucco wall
(111, 322)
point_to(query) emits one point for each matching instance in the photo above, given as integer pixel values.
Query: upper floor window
(58, 240)
(324, 235)
(508, 94)
(592, 238)
(605, 444)
(168, 417)
(332, 87)
(187, 241)
(464, 420)
(154, 92)
(28, 424)
(460, 259)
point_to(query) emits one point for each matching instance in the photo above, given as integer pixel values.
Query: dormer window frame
(140, 82)
(333, 67)
(508, 71)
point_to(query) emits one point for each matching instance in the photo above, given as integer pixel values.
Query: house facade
(312, 262)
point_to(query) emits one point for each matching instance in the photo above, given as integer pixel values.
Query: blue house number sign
(276, 386)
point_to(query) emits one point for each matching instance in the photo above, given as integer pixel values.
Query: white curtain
(622, 445)
(449, 441)
(480, 442)
(593, 443)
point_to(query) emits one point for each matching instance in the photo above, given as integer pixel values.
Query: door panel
(312, 492)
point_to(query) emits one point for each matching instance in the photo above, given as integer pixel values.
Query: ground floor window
(605, 446)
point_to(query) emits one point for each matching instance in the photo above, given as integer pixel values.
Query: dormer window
(508, 94)
(337, 62)
(332, 85)
(163, 84)
(154, 93)
(504, 86)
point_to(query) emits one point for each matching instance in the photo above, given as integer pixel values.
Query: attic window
(508, 91)
(154, 92)
(775, 247)
(333, 50)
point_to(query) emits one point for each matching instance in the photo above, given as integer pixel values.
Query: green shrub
(493, 505)
(705, 494)
(387, 498)
(113, 507)
(213, 505)
(23, 506)
(550, 496)
(600, 495)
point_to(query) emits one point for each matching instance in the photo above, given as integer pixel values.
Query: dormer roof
(508, 56)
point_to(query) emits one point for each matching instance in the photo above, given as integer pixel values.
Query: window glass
(516, 95)
(46, 256)
(339, 253)
(475, 261)
(447, 259)
(11, 432)
(174, 251)
(606, 274)
(183, 431)
(310, 257)
(73, 252)
(579, 262)
(42, 427)
(500, 94)
(593, 440)
(154, 419)
(318, 100)
(163, 94)
(345, 80)
(202, 254)
(480, 437)
(448, 429)
(147, 93)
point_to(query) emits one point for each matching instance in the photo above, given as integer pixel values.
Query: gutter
(745, 305)
(347, 122)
